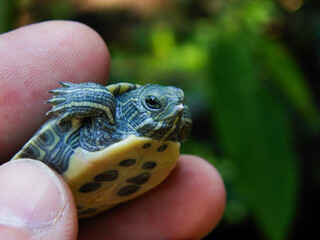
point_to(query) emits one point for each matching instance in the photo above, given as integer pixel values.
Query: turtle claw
(62, 113)
(64, 89)
(66, 116)
(81, 100)
(57, 91)
(55, 101)
(66, 84)
(55, 111)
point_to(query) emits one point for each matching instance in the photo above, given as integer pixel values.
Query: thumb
(35, 203)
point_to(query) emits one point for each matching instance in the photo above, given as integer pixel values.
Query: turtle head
(162, 103)
(161, 113)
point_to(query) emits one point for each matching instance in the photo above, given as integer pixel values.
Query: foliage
(7, 8)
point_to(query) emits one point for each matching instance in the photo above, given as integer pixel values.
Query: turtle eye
(152, 102)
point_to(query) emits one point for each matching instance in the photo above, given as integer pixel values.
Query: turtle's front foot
(82, 100)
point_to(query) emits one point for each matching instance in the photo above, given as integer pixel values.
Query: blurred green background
(250, 70)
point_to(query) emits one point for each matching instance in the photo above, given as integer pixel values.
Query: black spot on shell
(31, 152)
(162, 148)
(127, 190)
(149, 165)
(106, 176)
(147, 145)
(47, 137)
(128, 162)
(43, 137)
(88, 211)
(64, 126)
(89, 187)
(23, 155)
(140, 179)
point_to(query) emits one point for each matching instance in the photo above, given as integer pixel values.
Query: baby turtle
(111, 144)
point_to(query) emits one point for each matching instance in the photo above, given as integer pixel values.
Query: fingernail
(31, 195)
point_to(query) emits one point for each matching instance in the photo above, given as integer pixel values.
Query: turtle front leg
(82, 100)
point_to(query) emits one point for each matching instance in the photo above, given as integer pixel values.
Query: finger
(35, 203)
(188, 205)
(33, 59)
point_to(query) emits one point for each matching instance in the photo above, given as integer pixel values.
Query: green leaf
(60, 9)
(254, 131)
(286, 74)
(7, 8)
(162, 40)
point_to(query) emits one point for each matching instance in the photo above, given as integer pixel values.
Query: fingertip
(35, 201)
(7, 232)
(33, 59)
(57, 50)
(194, 192)
(207, 183)
(187, 205)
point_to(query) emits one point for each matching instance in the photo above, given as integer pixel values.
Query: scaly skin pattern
(111, 144)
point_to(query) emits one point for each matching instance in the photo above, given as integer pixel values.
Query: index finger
(33, 59)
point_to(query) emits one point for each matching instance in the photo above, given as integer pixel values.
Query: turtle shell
(120, 172)
(115, 173)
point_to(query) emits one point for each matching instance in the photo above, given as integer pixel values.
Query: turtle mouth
(172, 113)
(179, 109)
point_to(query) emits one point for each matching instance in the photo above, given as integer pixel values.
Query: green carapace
(111, 144)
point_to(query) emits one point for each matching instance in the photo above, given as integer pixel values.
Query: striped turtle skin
(111, 144)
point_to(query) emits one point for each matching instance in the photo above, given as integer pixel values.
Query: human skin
(35, 202)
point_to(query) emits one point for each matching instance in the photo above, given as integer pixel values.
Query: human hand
(35, 202)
